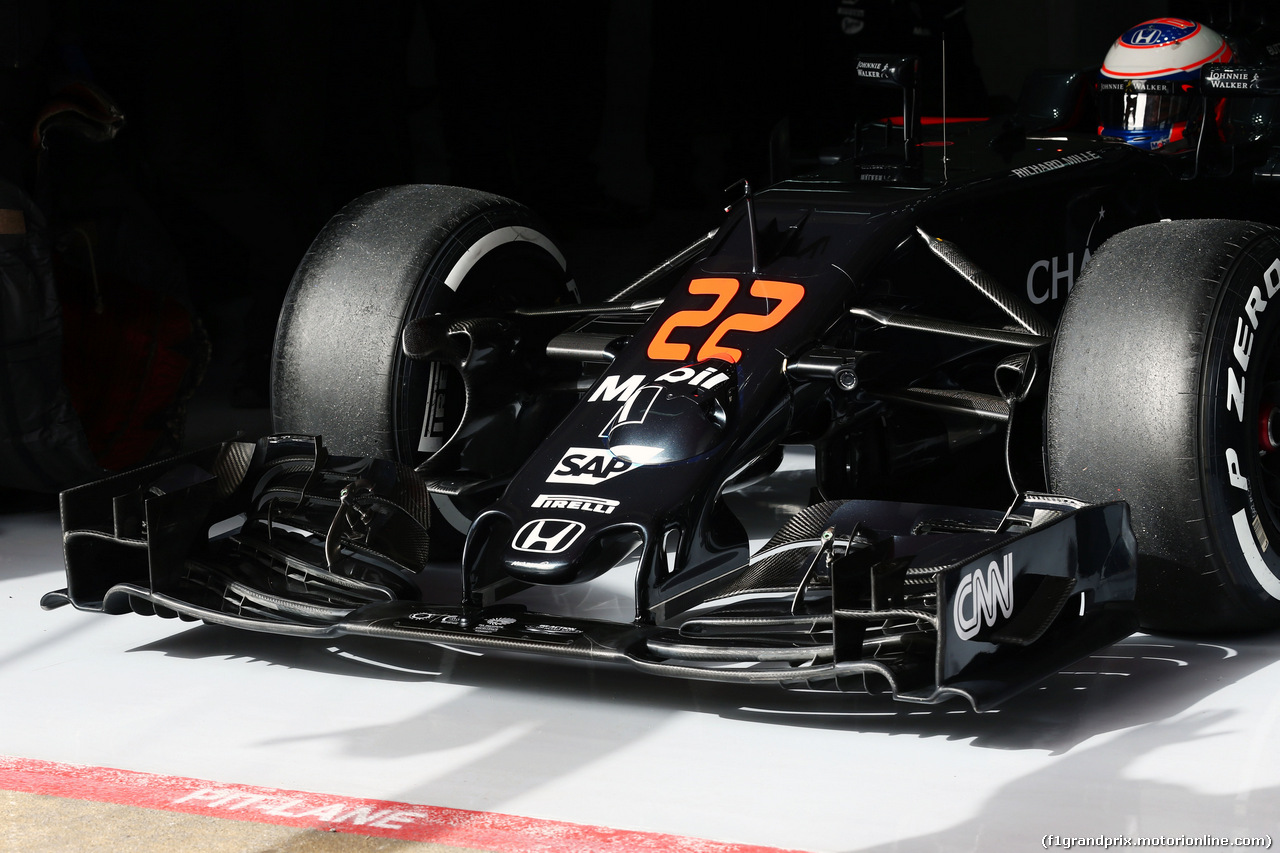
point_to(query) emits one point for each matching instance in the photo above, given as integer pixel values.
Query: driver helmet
(1148, 87)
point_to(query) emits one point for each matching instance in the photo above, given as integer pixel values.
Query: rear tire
(386, 258)
(1165, 364)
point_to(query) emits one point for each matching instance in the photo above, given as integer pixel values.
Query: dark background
(248, 124)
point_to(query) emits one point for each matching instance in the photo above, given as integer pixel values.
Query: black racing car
(1000, 337)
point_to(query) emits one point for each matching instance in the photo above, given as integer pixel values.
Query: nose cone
(681, 414)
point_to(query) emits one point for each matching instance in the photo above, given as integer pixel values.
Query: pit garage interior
(145, 734)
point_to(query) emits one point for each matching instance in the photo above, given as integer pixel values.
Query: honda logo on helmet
(548, 535)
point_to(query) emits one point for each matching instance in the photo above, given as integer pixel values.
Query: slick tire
(388, 257)
(1165, 391)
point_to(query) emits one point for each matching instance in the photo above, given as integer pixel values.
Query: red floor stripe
(326, 812)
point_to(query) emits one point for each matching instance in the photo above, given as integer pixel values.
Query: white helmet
(1148, 86)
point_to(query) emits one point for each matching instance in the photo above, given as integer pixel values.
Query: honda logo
(548, 535)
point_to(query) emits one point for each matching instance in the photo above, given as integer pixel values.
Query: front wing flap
(926, 602)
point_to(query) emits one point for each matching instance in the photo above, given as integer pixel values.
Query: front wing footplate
(925, 602)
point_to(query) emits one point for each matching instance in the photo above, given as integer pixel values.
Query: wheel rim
(1265, 454)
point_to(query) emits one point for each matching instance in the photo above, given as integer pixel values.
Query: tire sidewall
(1244, 340)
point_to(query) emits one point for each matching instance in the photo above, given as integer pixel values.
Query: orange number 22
(787, 294)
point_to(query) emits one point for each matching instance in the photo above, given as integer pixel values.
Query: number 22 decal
(787, 294)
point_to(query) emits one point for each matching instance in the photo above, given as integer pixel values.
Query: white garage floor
(1152, 737)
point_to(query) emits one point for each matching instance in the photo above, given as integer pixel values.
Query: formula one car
(1001, 337)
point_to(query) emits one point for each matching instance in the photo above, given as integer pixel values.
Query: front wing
(925, 602)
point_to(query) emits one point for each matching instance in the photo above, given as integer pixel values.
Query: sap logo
(587, 465)
(982, 597)
(604, 506)
(1044, 277)
(547, 535)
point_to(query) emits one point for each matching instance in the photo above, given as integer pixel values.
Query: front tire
(1165, 380)
(389, 257)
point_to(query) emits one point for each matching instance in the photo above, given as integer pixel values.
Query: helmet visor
(1150, 115)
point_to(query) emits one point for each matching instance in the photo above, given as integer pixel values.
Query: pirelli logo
(604, 506)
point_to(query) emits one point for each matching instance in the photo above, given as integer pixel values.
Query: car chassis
(590, 435)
